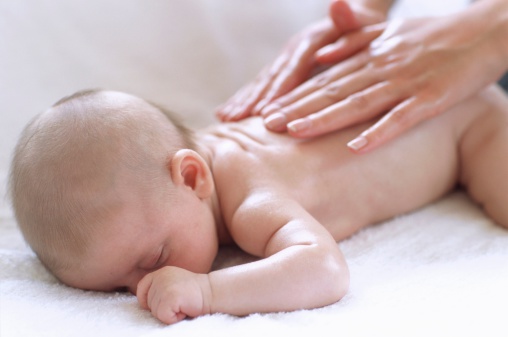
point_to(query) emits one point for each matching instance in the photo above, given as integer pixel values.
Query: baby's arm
(301, 267)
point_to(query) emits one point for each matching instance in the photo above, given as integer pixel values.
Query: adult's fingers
(228, 111)
(242, 102)
(400, 119)
(340, 91)
(355, 109)
(292, 67)
(299, 64)
(342, 16)
(349, 44)
(295, 70)
(356, 24)
(317, 83)
(142, 290)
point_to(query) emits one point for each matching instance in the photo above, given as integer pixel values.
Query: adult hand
(412, 70)
(297, 61)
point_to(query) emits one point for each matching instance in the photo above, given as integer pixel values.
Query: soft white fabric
(440, 271)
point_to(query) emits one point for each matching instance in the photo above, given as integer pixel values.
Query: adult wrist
(502, 35)
(492, 15)
(497, 10)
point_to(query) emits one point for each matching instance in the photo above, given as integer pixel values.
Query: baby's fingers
(241, 103)
(142, 290)
(167, 315)
(163, 306)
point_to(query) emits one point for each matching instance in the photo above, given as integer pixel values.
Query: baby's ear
(188, 168)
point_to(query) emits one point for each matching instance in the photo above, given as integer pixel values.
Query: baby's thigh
(484, 155)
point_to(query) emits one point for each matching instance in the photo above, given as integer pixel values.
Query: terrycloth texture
(440, 271)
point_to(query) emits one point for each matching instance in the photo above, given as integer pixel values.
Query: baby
(112, 192)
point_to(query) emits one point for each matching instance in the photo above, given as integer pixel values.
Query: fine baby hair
(72, 160)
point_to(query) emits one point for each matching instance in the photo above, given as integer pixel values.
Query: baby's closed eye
(158, 259)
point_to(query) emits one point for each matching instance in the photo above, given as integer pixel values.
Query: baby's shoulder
(240, 149)
(232, 168)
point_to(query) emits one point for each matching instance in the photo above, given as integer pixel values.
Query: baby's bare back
(342, 190)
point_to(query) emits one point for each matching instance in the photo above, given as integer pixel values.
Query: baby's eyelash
(121, 289)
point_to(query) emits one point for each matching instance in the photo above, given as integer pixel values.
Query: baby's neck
(222, 233)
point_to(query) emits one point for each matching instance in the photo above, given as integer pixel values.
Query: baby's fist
(173, 293)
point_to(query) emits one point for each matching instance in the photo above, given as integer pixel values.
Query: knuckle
(321, 126)
(434, 111)
(359, 101)
(166, 316)
(433, 102)
(395, 90)
(400, 118)
(321, 80)
(333, 91)
(419, 83)
(327, 122)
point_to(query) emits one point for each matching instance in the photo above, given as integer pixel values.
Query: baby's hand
(173, 293)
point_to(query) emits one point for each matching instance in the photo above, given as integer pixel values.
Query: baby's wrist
(206, 293)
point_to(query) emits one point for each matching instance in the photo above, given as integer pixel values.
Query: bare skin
(287, 201)
(405, 71)
(297, 62)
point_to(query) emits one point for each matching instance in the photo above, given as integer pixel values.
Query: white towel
(440, 271)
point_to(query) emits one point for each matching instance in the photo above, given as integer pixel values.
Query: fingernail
(276, 121)
(324, 51)
(226, 111)
(233, 113)
(300, 125)
(259, 106)
(221, 110)
(357, 143)
(269, 109)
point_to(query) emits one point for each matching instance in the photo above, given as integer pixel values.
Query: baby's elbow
(339, 276)
(332, 277)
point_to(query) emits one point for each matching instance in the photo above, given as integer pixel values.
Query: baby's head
(106, 187)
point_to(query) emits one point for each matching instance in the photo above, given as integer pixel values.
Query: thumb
(142, 290)
(348, 22)
(347, 18)
(342, 16)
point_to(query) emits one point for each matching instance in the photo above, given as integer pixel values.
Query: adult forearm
(493, 15)
(500, 9)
